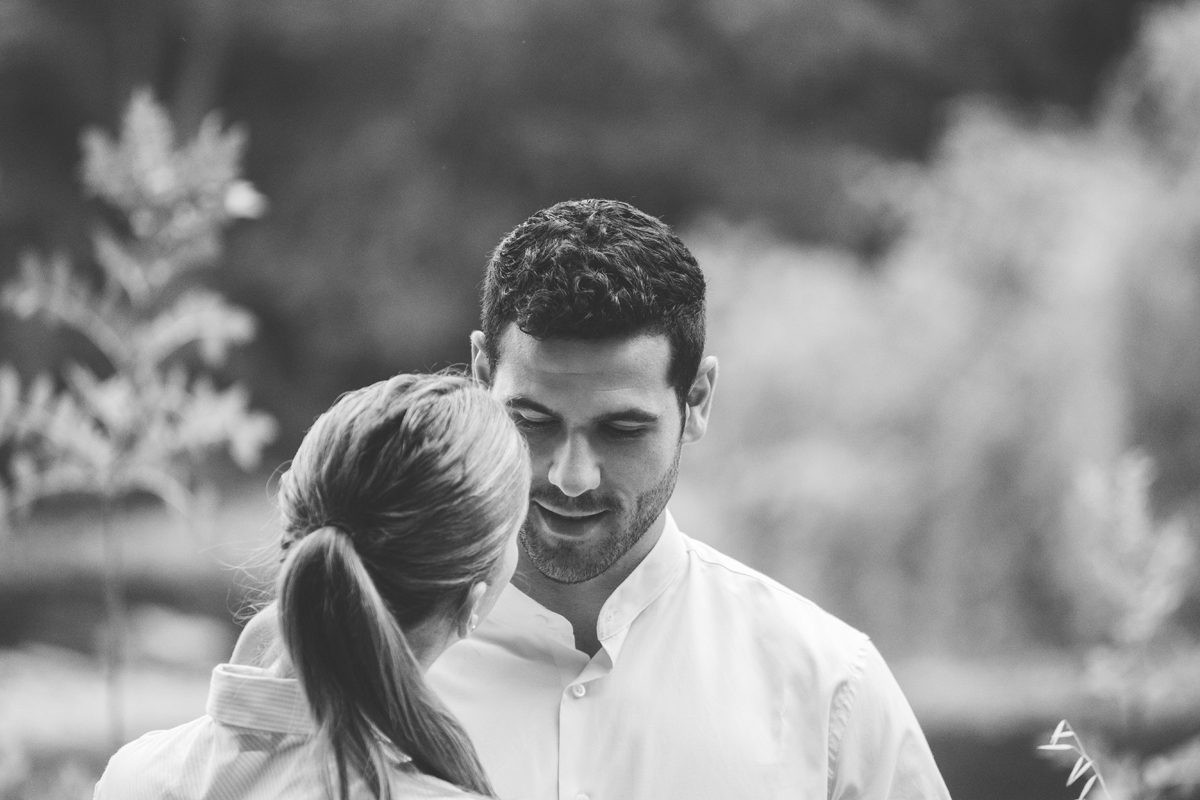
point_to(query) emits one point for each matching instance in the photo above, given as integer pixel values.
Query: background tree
(142, 413)
(399, 141)
(927, 409)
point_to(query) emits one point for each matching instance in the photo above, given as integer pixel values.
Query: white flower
(244, 201)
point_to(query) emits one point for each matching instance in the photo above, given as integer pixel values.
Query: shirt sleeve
(119, 782)
(104, 789)
(876, 748)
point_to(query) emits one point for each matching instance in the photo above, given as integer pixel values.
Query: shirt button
(582, 796)
(579, 690)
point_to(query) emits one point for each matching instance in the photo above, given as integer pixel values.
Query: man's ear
(468, 616)
(481, 368)
(699, 400)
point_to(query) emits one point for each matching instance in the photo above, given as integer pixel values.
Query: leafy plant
(1064, 739)
(141, 410)
(1128, 573)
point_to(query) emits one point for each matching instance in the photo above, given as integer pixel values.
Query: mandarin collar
(649, 579)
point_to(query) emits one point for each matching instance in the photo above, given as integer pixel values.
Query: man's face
(604, 432)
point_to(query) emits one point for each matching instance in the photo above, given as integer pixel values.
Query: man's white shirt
(712, 681)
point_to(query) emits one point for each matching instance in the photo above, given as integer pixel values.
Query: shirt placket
(577, 729)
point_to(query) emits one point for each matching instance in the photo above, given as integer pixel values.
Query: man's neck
(580, 603)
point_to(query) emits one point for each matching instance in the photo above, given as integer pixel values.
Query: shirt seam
(750, 574)
(842, 706)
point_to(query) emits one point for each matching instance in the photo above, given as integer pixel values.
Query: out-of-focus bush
(896, 436)
(143, 410)
(1127, 573)
(400, 140)
(21, 779)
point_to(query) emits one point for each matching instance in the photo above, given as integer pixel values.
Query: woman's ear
(468, 615)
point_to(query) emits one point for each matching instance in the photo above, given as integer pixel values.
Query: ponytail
(402, 496)
(361, 678)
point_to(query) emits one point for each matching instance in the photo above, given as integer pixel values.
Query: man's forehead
(634, 365)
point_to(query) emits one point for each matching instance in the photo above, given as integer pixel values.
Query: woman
(400, 513)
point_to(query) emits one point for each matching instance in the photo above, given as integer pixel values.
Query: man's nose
(574, 468)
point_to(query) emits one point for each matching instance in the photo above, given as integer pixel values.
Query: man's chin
(563, 559)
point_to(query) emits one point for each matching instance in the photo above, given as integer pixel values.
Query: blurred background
(953, 249)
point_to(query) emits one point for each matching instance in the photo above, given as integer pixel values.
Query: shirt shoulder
(875, 747)
(145, 767)
(749, 612)
(198, 760)
(771, 603)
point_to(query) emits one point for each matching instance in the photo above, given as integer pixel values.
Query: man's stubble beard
(566, 564)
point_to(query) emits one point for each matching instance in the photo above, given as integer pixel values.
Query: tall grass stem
(114, 614)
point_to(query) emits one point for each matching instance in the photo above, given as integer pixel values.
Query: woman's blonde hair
(401, 497)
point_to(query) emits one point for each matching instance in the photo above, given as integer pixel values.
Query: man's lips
(568, 515)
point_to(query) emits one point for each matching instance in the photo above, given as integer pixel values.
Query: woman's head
(425, 474)
(400, 509)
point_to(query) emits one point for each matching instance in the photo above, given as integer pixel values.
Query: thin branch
(114, 611)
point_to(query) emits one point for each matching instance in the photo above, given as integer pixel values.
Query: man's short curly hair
(595, 269)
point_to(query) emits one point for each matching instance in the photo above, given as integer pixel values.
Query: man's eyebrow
(526, 404)
(629, 415)
(618, 415)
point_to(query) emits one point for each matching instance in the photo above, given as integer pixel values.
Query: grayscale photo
(607, 400)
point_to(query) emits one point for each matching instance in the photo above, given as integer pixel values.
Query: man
(627, 660)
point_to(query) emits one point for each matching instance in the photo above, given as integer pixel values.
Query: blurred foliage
(145, 420)
(148, 414)
(1127, 574)
(20, 779)
(925, 411)
(997, 282)
(400, 140)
